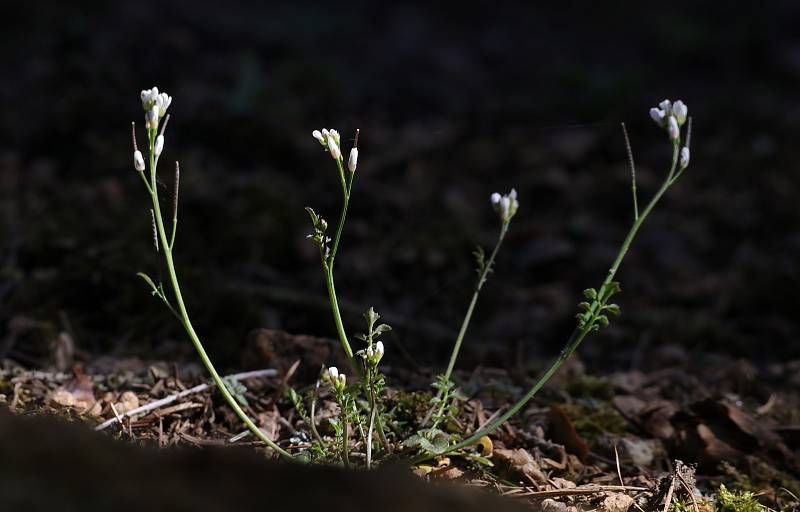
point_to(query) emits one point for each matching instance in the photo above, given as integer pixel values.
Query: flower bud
(378, 351)
(333, 373)
(495, 199)
(163, 101)
(352, 162)
(672, 128)
(318, 135)
(684, 157)
(666, 106)
(657, 115)
(333, 147)
(680, 111)
(151, 118)
(138, 161)
(333, 133)
(325, 132)
(159, 147)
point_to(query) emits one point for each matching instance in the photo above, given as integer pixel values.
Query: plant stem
(327, 265)
(467, 318)
(184, 315)
(478, 286)
(578, 334)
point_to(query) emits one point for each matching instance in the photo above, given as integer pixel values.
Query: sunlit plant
(363, 414)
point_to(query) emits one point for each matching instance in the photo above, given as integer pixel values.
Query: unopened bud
(159, 147)
(680, 111)
(378, 351)
(352, 162)
(138, 161)
(684, 157)
(658, 115)
(318, 135)
(672, 128)
(333, 147)
(666, 106)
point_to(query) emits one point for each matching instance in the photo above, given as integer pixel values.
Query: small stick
(689, 491)
(619, 472)
(587, 489)
(668, 499)
(168, 400)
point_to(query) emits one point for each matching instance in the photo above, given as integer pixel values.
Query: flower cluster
(337, 380)
(672, 117)
(155, 105)
(505, 205)
(374, 353)
(330, 140)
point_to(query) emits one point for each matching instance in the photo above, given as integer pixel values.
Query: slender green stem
(328, 268)
(482, 277)
(478, 286)
(577, 335)
(184, 315)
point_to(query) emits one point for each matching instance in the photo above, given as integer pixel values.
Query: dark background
(453, 104)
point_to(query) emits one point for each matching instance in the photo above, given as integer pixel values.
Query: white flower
(333, 133)
(151, 118)
(159, 147)
(680, 111)
(325, 132)
(138, 160)
(684, 157)
(672, 128)
(163, 101)
(333, 147)
(505, 205)
(342, 381)
(658, 115)
(333, 373)
(666, 106)
(352, 162)
(318, 135)
(378, 351)
(149, 97)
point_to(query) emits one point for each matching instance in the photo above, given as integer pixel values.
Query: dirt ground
(702, 366)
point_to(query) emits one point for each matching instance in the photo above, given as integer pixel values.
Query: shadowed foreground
(75, 469)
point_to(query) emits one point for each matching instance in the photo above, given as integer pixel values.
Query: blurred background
(453, 104)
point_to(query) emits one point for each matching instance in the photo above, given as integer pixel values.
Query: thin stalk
(328, 268)
(369, 435)
(467, 318)
(184, 315)
(577, 335)
(479, 285)
(313, 416)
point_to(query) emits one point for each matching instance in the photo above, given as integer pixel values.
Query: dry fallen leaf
(617, 502)
(522, 461)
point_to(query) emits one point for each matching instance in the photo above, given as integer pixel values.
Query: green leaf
(313, 215)
(382, 328)
(148, 281)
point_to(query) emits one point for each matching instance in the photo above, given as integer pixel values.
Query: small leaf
(382, 328)
(313, 215)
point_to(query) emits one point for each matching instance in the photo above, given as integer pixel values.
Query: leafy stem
(181, 311)
(581, 330)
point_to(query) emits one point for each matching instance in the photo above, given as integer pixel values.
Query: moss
(591, 422)
(409, 407)
(591, 387)
(728, 501)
